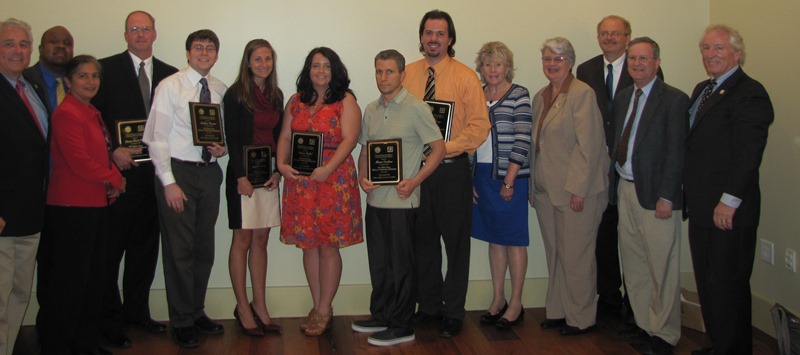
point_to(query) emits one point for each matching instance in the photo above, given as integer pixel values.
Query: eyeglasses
(209, 48)
(642, 59)
(137, 29)
(614, 34)
(558, 59)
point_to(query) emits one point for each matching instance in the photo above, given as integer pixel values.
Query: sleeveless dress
(322, 213)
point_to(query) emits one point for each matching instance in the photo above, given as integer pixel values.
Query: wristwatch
(508, 186)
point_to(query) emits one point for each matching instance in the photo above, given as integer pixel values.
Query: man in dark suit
(651, 119)
(613, 36)
(54, 53)
(729, 122)
(23, 127)
(134, 217)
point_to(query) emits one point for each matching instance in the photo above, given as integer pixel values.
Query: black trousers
(445, 212)
(133, 232)
(74, 240)
(392, 266)
(609, 278)
(723, 263)
(187, 239)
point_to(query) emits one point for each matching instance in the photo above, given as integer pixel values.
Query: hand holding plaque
(443, 115)
(129, 135)
(206, 124)
(258, 164)
(385, 161)
(306, 152)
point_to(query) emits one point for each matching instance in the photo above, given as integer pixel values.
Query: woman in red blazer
(82, 184)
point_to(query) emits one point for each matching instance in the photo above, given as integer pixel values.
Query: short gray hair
(12, 22)
(648, 40)
(560, 46)
(736, 40)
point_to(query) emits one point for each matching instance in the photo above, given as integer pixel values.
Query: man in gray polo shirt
(391, 209)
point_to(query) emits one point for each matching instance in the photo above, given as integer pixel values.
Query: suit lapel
(719, 93)
(648, 112)
(13, 97)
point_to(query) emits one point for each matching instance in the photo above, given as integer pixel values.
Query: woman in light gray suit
(568, 188)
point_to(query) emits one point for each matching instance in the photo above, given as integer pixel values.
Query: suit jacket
(34, 76)
(724, 149)
(119, 98)
(572, 145)
(24, 171)
(657, 155)
(592, 73)
(80, 157)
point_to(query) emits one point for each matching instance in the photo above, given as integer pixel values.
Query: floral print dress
(322, 213)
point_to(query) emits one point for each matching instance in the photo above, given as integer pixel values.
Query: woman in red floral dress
(322, 212)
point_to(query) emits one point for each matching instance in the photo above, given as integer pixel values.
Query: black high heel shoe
(503, 323)
(253, 332)
(266, 327)
(488, 318)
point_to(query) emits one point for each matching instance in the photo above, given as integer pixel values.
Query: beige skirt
(262, 210)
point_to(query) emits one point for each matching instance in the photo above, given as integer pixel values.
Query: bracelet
(508, 186)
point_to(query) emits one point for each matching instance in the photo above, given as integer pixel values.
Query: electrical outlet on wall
(790, 260)
(767, 252)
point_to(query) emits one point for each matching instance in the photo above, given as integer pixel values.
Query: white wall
(357, 30)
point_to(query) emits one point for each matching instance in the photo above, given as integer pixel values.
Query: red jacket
(80, 158)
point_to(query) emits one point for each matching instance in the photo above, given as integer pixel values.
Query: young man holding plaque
(188, 192)
(446, 202)
(394, 129)
(129, 79)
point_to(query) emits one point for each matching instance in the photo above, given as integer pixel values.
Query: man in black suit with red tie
(23, 128)
(129, 80)
(728, 126)
(608, 74)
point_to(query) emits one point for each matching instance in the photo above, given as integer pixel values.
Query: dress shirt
(726, 198)
(36, 103)
(617, 64)
(168, 132)
(626, 171)
(148, 66)
(51, 85)
(457, 83)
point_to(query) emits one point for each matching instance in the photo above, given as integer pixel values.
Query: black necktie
(622, 147)
(144, 87)
(430, 86)
(205, 98)
(706, 94)
(610, 84)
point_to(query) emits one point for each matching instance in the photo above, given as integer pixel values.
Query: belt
(193, 163)
(622, 178)
(454, 159)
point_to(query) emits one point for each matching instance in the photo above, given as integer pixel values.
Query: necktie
(622, 148)
(106, 135)
(706, 94)
(60, 92)
(205, 98)
(21, 92)
(144, 87)
(430, 86)
(610, 84)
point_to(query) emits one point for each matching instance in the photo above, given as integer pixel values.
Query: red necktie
(24, 98)
(622, 148)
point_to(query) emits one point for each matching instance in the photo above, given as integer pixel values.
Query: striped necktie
(430, 86)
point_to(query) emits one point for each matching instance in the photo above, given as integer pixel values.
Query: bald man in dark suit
(134, 228)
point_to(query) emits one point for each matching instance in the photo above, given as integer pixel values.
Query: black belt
(194, 163)
(454, 159)
(622, 178)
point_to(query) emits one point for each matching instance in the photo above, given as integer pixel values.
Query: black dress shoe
(503, 323)
(208, 326)
(150, 325)
(450, 327)
(570, 330)
(186, 337)
(422, 318)
(553, 323)
(704, 351)
(634, 335)
(117, 339)
(657, 346)
(489, 318)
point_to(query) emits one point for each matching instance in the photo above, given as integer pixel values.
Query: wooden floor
(526, 338)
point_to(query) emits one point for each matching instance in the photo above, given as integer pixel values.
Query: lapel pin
(722, 92)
